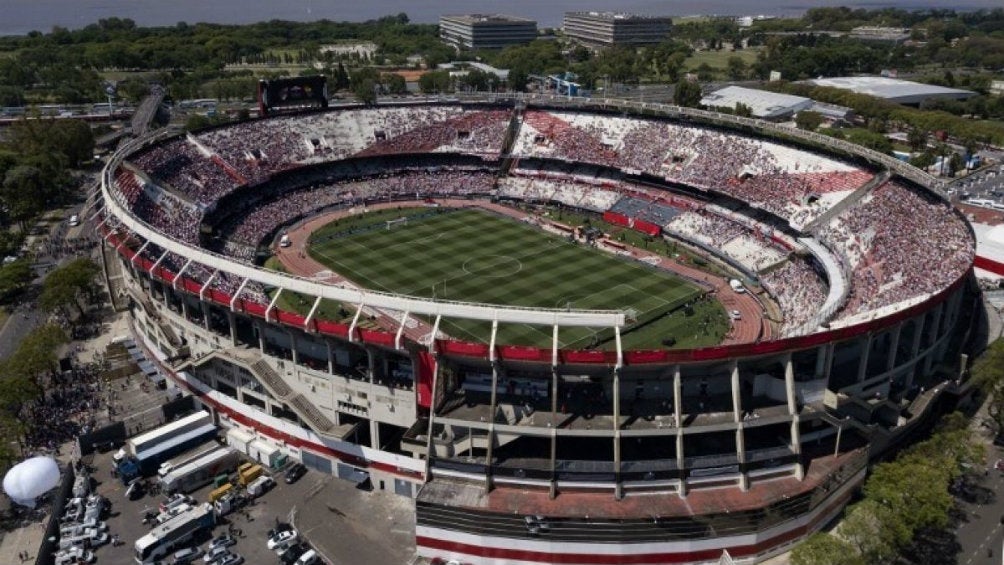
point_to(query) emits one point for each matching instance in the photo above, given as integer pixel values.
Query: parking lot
(345, 525)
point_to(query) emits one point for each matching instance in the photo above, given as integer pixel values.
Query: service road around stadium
(296, 259)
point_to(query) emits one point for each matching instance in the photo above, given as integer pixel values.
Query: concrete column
(616, 436)
(789, 384)
(744, 481)
(680, 462)
(737, 401)
(205, 317)
(915, 350)
(796, 447)
(184, 308)
(939, 312)
(232, 322)
(375, 434)
(677, 397)
(820, 361)
(261, 338)
(331, 357)
(828, 369)
(292, 348)
(893, 347)
(370, 364)
(863, 360)
(489, 452)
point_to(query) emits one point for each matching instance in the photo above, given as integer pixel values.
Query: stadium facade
(519, 454)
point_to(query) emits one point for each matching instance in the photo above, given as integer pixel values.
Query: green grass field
(471, 255)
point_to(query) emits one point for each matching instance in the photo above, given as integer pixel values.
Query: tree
(916, 138)
(365, 90)
(14, 277)
(824, 549)
(873, 531)
(743, 110)
(63, 286)
(687, 93)
(394, 83)
(915, 491)
(736, 68)
(808, 120)
(434, 81)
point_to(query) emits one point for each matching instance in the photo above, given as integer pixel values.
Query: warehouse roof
(764, 104)
(892, 89)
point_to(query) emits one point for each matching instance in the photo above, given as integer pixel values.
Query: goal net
(391, 224)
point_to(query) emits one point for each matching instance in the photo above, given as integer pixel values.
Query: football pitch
(475, 256)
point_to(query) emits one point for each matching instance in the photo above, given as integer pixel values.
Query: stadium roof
(763, 103)
(892, 89)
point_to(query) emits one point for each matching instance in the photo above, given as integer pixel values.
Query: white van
(260, 486)
(74, 221)
(737, 286)
(309, 557)
(284, 241)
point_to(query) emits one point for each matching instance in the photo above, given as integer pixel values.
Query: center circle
(492, 266)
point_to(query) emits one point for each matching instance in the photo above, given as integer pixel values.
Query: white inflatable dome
(31, 478)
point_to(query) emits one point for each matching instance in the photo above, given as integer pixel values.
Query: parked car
(187, 555)
(214, 554)
(231, 559)
(282, 538)
(222, 540)
(295, 471)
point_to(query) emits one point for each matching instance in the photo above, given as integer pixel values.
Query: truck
(186, 457)
(201, 471)
(248, 472)
(142, 455)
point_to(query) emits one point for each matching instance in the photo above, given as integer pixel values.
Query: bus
(173, 533)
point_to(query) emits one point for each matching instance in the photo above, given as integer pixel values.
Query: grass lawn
(471, 255)
(719, 59)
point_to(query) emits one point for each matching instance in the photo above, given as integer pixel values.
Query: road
(981, 533)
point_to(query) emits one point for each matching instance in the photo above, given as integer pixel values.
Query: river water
(21, 16)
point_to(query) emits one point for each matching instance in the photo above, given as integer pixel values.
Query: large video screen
(301, 91)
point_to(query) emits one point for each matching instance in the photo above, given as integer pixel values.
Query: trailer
(201, 471)
(187, 457)
(143, 455)
(148, 441)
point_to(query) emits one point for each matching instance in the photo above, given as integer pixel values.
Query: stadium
(574, 331)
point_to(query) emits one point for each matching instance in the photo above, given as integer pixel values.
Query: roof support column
(207, 285)
(271, 305)
(400, 330)
(139, 252)
(355, 321)
(180, 274)
(237, 296)
(310, 315)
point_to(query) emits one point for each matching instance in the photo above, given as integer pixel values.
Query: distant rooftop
(484, 18)
(615, 15)
(764, 104)
(892, 89)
